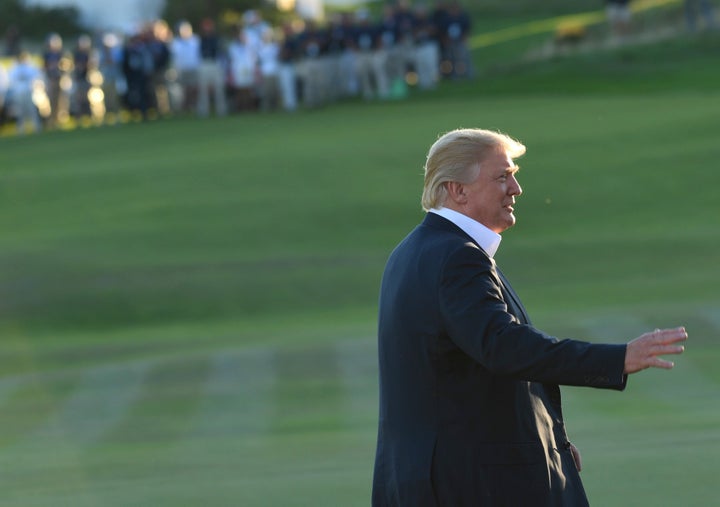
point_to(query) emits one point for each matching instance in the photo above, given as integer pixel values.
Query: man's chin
(509, 222)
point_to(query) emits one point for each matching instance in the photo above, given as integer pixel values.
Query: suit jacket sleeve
(477, 320)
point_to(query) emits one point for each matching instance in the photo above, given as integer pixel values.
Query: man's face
(490, 198)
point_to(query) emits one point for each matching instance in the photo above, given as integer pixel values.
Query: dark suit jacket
(469, 401)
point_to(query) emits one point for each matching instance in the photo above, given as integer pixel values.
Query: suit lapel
(512, 299)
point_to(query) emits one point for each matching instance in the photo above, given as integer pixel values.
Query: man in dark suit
(470, 411)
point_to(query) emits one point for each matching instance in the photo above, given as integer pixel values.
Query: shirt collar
(487, 239)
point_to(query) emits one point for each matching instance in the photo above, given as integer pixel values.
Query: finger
(662, 363)
(666, 336)
(670, 335)
(661, 350)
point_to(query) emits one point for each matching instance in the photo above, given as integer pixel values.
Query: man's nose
(514, 187)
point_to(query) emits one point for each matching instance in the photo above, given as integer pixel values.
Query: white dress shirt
(487, 239)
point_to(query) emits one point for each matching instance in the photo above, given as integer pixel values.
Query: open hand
(643, 351)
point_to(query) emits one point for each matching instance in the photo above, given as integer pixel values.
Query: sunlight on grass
(551, 25)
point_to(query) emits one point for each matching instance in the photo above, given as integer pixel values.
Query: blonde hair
(457, 156)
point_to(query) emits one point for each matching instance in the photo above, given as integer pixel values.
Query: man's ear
(456, 192)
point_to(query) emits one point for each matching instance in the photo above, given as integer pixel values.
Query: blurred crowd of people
(208, 70)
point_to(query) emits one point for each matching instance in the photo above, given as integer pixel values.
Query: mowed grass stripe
(712, 315)
(658, 465)
(7, 387)
(32, 404)
(100, 400)
(164, 411)
(358, 365)
(308, 395)
(236, 399)
(160, 247)
(704, 330)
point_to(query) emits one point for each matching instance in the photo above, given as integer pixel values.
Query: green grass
(187, 307)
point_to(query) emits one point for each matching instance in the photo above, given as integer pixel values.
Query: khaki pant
(26, 110)
(211, 78)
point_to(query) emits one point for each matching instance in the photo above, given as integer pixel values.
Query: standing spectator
(110, 67)
(371, 59)
(242, 63)
(158, 38)
(350, 85)
(389, 54)
(268, 55)
(137, 67)
(311, 68)
(439, 20)
(12, 41)
(23, 78)
(185, 49)
(81, 85)
(254, 27)
(405, 22)
(211, 76)
(286, 69)
(427, 50)
(52, 58)
(618, 16)
(4, 87)
(335, 42)
(456, 31)
(693, 10)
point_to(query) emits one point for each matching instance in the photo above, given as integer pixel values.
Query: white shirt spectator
(186, 52)
(254, 29)
(243, 61)
(268, 54)
(23, 77)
